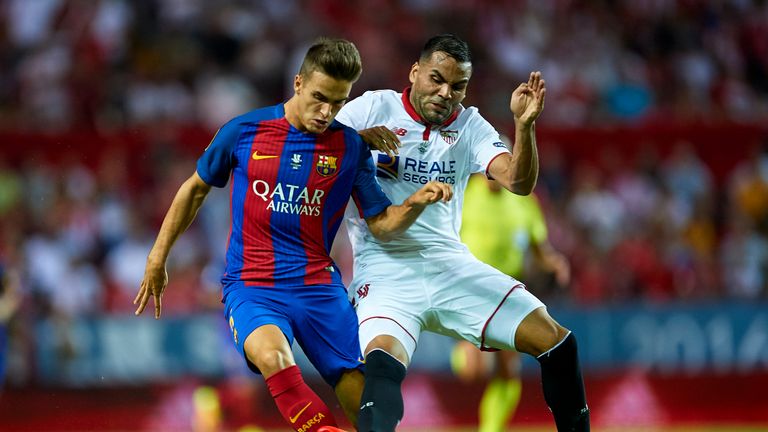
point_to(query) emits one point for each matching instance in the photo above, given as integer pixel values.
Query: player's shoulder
(258, 115)
(382, 94)
(339, 127)
(470, 114)
(350, 134)
(470, 120)
(378, 97)
(378, 106)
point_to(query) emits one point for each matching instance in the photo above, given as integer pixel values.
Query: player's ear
(297, 83)
(414, 72)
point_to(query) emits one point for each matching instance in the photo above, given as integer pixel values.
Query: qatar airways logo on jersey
(289, 198)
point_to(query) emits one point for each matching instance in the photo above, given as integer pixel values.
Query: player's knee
(538, 333)
(553, 334)
(270, 361)
(391, 346)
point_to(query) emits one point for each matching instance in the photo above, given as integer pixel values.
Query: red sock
(300, 406)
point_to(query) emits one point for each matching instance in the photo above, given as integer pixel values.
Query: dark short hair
(449, 44)
(337, 58)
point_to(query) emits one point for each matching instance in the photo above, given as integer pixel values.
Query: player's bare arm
(396, 219)
(382, 139)
(519, 170)
(180, 215)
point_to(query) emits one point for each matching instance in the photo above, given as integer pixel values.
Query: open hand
(382, 139)
(527, 100)
(154, 283)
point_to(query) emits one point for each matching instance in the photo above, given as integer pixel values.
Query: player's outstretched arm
(180, 215)
(519, 171)
(397, 218)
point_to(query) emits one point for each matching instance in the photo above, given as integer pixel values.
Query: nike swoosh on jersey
(296, 417)
(257, 156)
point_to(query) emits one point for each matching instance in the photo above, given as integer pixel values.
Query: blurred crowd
(651, 228)
(659, 229)
(106, 64)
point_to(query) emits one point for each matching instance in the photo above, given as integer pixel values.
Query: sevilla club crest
(449, 136)
(326, 165)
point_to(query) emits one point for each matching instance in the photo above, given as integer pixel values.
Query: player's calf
(348, 390)
(301, 407)
(563, 386)
(381, 407)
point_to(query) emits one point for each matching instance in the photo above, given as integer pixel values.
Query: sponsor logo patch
(301, 411)
(313, 421)
(257, 156)
(232, 327)
(362, 292)
(296, 161)
(289, 198)
(387, 166)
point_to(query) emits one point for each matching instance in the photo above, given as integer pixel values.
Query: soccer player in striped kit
(293, 169)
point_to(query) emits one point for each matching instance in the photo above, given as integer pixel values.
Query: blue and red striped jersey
(288, 195)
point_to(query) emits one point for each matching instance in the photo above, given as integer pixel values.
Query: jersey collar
(415, 115)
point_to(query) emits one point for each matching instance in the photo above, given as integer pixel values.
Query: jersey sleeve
(366, 192)
(357, 112)
(216, 163)
(485, 144)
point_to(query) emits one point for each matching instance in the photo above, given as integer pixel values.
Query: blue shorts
(320, 317)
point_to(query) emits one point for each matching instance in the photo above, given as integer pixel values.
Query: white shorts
(453, 294)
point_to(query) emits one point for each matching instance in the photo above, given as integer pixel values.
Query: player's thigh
(326, 328)
(247, 311)
(475, 302)
(390, 307)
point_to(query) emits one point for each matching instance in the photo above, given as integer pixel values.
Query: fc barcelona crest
(449, 136)
(326, 165)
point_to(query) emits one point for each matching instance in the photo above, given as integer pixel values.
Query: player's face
(438, 85)
(319, 98)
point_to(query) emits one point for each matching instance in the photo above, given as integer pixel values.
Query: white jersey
(450, 153)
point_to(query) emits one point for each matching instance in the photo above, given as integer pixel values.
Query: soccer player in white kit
(426, 279)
